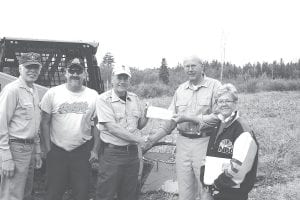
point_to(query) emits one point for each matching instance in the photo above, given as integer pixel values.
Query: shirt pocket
(135, 114)
(132, 120)
(181, 106)
(204, 105)
(119, 116)
(27, 110)
(204, 102)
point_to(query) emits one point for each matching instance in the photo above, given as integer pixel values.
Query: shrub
(281, 85)
(143, 76)
(147, 90)
(264, 84)
(248, 86)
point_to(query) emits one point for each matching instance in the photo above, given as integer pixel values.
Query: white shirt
(71, 115)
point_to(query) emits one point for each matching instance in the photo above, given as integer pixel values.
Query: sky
(139, 33)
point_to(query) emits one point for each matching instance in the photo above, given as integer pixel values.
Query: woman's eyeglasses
(223, 101)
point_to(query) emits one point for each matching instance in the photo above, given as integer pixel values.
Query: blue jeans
(19, 187)
(66, 168)
(118, 174)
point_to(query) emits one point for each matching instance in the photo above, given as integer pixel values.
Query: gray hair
(227, 88)
(194, 58)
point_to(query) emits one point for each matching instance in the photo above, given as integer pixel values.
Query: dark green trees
(164, 72)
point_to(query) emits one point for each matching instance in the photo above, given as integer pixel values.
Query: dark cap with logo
(30, 58)
(76, 62)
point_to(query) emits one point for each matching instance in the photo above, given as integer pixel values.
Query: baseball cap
(30, 58)
(75, 62)
(121, 70)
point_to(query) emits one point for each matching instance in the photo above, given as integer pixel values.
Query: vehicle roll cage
(55, 55)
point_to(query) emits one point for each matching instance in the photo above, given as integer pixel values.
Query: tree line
(274, 70)
(175, 75)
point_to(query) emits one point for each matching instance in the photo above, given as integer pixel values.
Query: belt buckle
(25, 141)
(128, 147)
(28, 141)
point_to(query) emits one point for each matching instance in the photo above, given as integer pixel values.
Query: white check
(159, 113)
(213, 168)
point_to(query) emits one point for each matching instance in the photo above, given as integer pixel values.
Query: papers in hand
(159, 113)
(213, 168)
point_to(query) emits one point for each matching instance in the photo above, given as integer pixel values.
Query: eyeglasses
(223, 101)
(33, 66)
(76, 70)
(190, 66)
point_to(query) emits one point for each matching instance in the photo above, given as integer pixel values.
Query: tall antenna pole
(223, 56)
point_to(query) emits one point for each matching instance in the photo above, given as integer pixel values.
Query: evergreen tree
(106, 68)
(108, 60)
(258, 70)
(164, 72)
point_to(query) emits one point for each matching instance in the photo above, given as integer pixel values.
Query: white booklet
(213, 168)
(159, 113)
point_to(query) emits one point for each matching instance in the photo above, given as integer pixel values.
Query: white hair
(227, 88)
(192, 58)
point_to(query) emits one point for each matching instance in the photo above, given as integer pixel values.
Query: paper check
(159, 113)
(213, 168)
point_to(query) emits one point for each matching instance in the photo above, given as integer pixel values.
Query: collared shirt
(19, 114)
(194, 99)
(110, 108)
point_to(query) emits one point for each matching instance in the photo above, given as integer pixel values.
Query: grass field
(275, 118)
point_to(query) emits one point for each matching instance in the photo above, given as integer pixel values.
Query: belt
(130, 147)
(22, 141)
(193, 135)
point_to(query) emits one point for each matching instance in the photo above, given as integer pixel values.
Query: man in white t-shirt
(68, 111)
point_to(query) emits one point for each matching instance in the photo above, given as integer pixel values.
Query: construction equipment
(55, 55)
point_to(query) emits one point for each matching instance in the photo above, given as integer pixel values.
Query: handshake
(147, 143)
(203, 122)
(154, 136)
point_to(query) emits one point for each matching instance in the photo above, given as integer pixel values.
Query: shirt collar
(23, 85)
(229, 120)
(203, 83)
(114, 96)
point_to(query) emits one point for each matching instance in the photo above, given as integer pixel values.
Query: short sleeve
(94, 113)
(141, 107)
(46, 102)
(172, 106)
(217, 85)
(104, 110)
